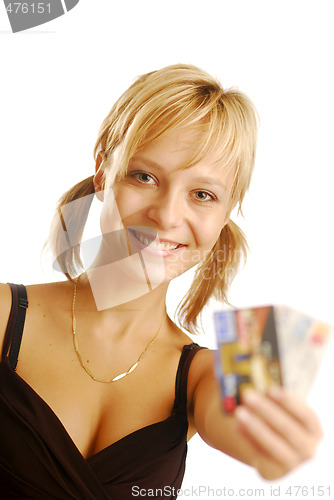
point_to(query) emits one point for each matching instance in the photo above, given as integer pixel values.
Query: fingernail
(242, 414)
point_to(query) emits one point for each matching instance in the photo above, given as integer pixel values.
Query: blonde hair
(177, 96)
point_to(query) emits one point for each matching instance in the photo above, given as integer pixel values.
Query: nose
(167, 210)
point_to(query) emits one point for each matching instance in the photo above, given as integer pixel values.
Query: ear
(99, 177)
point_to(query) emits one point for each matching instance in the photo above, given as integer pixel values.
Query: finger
(266, 439)
(297, 409)
(291, 429)
(267, 465)
(276, 417)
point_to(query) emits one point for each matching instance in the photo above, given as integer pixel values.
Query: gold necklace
(85, 367)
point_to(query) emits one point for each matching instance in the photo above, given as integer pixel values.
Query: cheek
(206, 238)
(209, 231)
(129, 204)
(111, 218)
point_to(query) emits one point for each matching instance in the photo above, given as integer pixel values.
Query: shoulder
(48, 294)
(176, 337)
(201, 370)
(5, 305)
(203, 364)
(41, 298)
(201, 374)
(48, 306)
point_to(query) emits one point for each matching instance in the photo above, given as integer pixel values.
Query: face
(172, 214)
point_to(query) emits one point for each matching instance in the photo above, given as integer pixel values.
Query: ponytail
(68, 226)
(214, 276)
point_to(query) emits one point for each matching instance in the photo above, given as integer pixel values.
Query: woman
(106, 389)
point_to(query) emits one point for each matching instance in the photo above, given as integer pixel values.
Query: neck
(140, 313)
(123, 278)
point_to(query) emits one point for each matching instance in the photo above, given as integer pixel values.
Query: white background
(59, 80)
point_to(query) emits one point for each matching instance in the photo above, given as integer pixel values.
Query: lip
(147, 248)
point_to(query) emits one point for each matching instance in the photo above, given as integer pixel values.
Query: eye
(143, 177)
(204, 196)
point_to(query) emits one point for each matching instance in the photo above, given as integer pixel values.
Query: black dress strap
(14, 331)
(188, 352)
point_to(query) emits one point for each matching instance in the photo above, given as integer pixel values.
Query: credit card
(261, 347)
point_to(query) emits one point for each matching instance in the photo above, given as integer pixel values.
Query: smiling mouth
(155, 243)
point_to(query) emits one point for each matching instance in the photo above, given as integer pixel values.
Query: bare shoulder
(45, 294)
(41, 297)
(48, 305)
(202, 367)
(5, 306)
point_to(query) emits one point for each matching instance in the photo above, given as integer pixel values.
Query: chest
(96, 415)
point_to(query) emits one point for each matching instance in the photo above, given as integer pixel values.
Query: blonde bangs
(229, 139)
(157, 116)
(184, 96)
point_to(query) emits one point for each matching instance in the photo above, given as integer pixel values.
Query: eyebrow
(211, 182)
(206, 180)
(147, 161)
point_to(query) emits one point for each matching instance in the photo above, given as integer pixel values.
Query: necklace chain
(85, 367)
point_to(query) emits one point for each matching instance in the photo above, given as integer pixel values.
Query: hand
(282, 430)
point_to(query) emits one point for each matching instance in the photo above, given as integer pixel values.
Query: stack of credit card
(261, 347)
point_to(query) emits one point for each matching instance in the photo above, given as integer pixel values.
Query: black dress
(39, 460)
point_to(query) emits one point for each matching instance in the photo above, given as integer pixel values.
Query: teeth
(162, 246)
